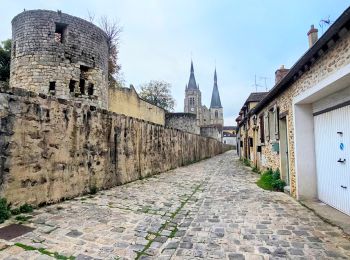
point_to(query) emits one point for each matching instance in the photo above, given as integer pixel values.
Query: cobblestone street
(211, 209)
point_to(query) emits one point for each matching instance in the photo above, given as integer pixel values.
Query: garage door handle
(344, 187)
(341, 161)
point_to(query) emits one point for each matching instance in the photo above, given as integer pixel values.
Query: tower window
(216, 114)
(60, 32)
(82, 86)
(91, 89)
(72, 86)
(191, 100)
(52, 87)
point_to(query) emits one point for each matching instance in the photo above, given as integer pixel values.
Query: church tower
(216, 110)
(193, 97)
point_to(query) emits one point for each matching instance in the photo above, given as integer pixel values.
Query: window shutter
(276, 115)
(267, 126)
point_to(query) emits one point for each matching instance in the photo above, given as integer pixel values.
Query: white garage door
(332, 144)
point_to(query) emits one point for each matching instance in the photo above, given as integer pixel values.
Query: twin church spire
(215, 97)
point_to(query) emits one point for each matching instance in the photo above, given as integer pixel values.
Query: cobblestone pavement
(211, 209)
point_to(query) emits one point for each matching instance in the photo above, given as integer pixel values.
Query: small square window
(60, 32)
(52, 87)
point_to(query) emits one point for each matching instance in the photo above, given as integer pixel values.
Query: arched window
(216, 114)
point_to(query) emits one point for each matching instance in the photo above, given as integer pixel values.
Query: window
(72, 86)
(60, 32)
(52, 87)
(91, 89)
(191, 101)
(82, 86)
(261, 129)
(266, 126)
(14, 49)
(272, 126)
(216, 114)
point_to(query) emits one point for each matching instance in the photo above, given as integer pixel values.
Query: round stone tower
(60, 55)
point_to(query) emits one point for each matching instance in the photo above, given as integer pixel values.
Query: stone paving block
(227, 217)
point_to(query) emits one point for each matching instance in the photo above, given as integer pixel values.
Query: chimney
(312, 35)
(280, 74)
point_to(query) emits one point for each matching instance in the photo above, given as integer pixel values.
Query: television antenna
(324, 23)
(256, 85)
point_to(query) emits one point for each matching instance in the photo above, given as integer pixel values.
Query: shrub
(4, 210)
(22, 218)
(26, 208)
(270, 180)
(15, 211)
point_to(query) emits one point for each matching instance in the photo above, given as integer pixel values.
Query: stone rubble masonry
(52, 148)
(186, 122)
(38, 58)
(337, 57)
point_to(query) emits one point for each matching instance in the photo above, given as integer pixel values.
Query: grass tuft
(270, 180)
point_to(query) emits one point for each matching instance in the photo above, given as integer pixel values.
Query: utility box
(276, 147)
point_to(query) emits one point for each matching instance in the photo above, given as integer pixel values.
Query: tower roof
(192, 81)
(215, 97)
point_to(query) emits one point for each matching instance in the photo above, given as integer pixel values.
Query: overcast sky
(242, 38)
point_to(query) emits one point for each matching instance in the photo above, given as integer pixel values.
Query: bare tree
(91, 16)
(113, 31)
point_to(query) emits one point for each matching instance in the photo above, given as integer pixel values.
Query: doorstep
(329, 213)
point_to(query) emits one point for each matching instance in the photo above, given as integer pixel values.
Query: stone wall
(127, 102)
(211, 131)
(59, 54)
(52, 149)
(186, 122)
(337, 57)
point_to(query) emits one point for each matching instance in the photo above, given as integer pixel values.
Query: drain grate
(14, 230)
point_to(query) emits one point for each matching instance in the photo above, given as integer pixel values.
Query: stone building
(245, 138)
(60, 55)
(193, 103)
(301, 125)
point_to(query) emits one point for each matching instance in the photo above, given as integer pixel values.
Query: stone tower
(193, 97)
(216, 110)
(60, 55)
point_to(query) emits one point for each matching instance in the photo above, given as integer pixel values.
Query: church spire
(192, 81)
(215, 97)
(215, 77)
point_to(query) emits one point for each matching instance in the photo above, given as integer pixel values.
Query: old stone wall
(211, 131)
(127, 102)
(337, 57)
(52, 149)
(61, 55)
(186, 122)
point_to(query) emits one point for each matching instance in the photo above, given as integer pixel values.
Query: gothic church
(212, 116)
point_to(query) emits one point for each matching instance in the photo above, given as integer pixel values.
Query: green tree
(158, 93)
(5, 60)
